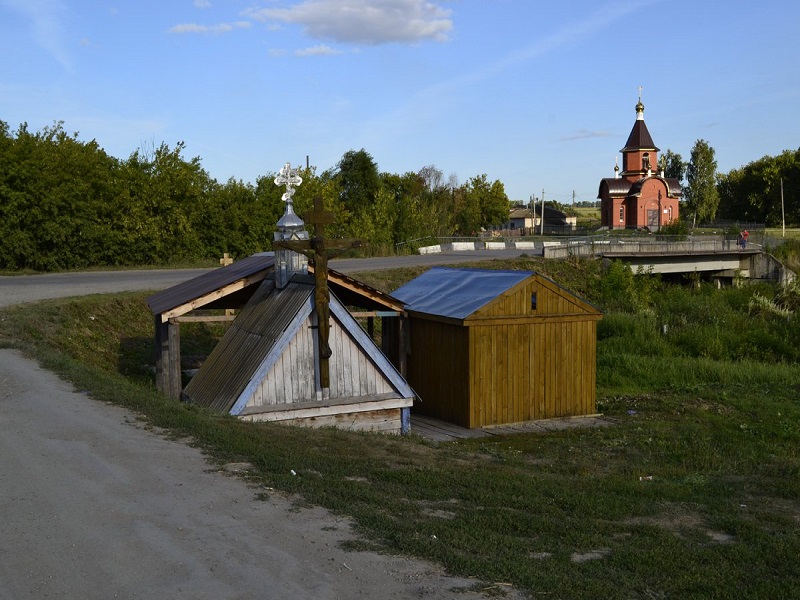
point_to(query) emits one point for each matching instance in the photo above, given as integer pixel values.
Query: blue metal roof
(456, 293)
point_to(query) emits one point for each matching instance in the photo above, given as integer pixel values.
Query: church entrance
(652, 218)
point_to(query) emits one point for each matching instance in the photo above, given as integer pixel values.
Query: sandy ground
(94, 506)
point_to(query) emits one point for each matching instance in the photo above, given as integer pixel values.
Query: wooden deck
(441, 431)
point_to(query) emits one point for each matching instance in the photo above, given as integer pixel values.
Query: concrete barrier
(524, 245)
(462, 246)
(430, 249)
(496, 245)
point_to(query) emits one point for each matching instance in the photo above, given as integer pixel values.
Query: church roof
(639, 139)
(623, 187)
(672, 184)
(616, 186)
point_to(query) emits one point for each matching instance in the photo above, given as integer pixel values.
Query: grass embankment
(695, 492)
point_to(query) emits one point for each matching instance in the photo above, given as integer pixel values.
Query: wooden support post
(162, 355)
(371, 328)
(403, 343)
(168, 357)
(174, 336)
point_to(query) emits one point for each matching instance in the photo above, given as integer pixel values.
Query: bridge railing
(588, 247)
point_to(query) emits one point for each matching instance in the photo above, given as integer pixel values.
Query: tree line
(764, 191)
(67, 204)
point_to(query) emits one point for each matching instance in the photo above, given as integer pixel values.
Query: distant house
(529, 220)
(640, 196)
(492, 347)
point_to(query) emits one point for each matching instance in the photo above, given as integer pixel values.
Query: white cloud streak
(368, 22)
(45, 17)
(321, 50)
(217, 29)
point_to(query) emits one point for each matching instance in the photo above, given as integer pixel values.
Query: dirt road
(94, 506)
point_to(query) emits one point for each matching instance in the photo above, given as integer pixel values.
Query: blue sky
(537, 94)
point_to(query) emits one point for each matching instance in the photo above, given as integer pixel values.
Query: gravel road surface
(95, 506)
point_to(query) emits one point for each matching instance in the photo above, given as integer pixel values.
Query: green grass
(694, 492)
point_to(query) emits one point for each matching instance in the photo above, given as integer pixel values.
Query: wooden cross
(320, 251)
(225, 260)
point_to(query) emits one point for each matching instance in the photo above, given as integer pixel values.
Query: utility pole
(531, 207)
(541, 227)
(573, 198)
(783, 214)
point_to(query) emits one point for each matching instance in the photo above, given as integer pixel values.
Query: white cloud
(321, 50)
(45, 17)
(585, 134)
(217, 29)
(202, 4)
(370, 22)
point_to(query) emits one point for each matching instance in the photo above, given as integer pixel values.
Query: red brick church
(640, 196)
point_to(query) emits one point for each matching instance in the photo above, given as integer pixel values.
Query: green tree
(701, 194)
(358, 179)
(753, 192)
(489, 199)
(672, 164)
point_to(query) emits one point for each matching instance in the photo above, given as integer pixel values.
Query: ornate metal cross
(288, 176)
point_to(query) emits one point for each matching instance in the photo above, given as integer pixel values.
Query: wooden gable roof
(275, 328)
(233, 285)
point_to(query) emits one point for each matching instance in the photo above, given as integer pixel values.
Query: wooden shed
(492, 347)
(266, 367)
(231, 287)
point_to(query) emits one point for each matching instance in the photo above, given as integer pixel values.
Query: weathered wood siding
(292, 378)
(383, 421)
(352, 373)
(437, 369)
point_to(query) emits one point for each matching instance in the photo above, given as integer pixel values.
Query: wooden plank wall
(292, 378)
(353, 374)
(517, 301)
(437, 369)
(384, 421)
(532, 371)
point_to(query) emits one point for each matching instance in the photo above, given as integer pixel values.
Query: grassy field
(693, 493)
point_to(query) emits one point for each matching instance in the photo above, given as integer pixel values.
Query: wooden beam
(204, 319)
(237, 285)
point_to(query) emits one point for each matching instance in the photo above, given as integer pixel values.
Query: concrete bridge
(715, 258)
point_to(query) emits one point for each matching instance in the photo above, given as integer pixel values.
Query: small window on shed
(533, 300)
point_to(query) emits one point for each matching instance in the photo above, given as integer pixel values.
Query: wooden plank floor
(437, 430)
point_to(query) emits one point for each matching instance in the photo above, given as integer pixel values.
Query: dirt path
(94, 506)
